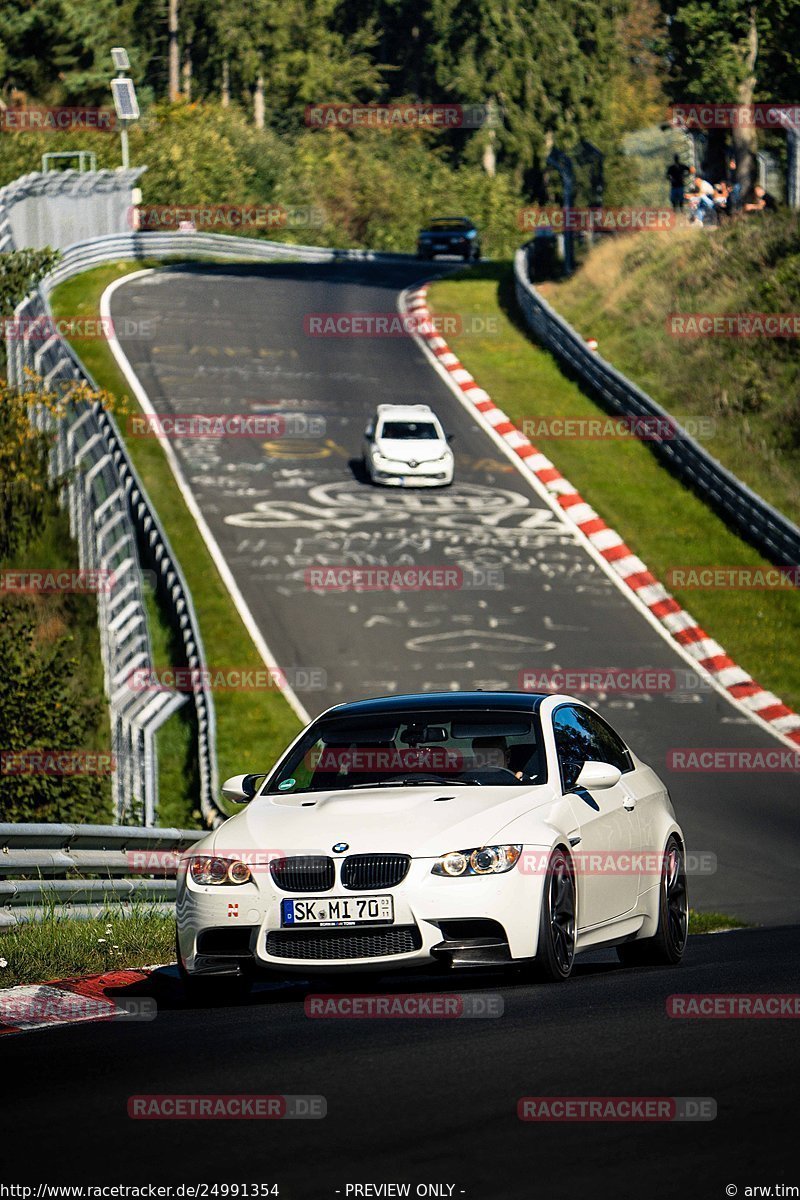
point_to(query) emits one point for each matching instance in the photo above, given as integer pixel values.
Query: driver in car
(495, 752)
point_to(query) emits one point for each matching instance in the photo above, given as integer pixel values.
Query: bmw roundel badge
(340, 847)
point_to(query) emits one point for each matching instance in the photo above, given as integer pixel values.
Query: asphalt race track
(426, 1100)
(233, 340)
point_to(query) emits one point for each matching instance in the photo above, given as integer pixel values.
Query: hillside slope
(628, 289)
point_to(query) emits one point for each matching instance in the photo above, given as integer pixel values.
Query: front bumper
(435, 474)
(457, 248)
(474, 921)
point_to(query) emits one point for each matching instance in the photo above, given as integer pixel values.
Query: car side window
(581, 736)
(613, 749)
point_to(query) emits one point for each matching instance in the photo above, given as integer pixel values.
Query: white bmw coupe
(475, 829)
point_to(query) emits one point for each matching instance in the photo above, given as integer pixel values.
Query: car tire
(555, 954)
(209, 991)
(669, 942)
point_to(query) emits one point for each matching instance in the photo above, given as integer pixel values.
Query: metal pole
(793, 171)
(126, 162)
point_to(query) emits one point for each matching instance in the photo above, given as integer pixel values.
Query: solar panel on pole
(125, 101)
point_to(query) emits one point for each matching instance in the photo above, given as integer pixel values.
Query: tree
(20, 271)
(299, 52)
(44, 708)
(58, 51)
(733, 51)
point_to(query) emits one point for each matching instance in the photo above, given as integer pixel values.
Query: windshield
(451, 746)
(449, 225)
(409, 431)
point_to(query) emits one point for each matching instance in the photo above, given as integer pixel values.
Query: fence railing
(773, 534)
(112, 247)
(83, 870)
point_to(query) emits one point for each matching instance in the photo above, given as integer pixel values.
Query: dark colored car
(449, 235)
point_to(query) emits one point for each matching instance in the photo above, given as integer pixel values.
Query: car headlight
(219, 871)
(485, 860)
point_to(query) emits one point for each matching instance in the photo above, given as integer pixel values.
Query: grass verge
(59, 948)
(252, 727)
(713, 922)
(635, 294)
(664, 523)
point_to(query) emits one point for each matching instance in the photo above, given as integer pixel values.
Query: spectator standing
(735, 189)
(676, 174)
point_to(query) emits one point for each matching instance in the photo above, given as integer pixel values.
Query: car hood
(406, 451)
(420, 821)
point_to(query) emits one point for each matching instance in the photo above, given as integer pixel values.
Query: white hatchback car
(469, 829)
(406, 446)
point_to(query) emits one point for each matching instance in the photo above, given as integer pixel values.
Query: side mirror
(450, 437)
(596, 776)
(369, 436)
(241, 789)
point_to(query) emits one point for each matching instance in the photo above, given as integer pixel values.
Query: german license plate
(339, 910)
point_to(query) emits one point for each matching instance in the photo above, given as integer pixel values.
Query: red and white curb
(72, 1002)
(706, 654)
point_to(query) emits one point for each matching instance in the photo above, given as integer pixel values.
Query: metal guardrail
(773, 534)
(112, 247)
(84, 869)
